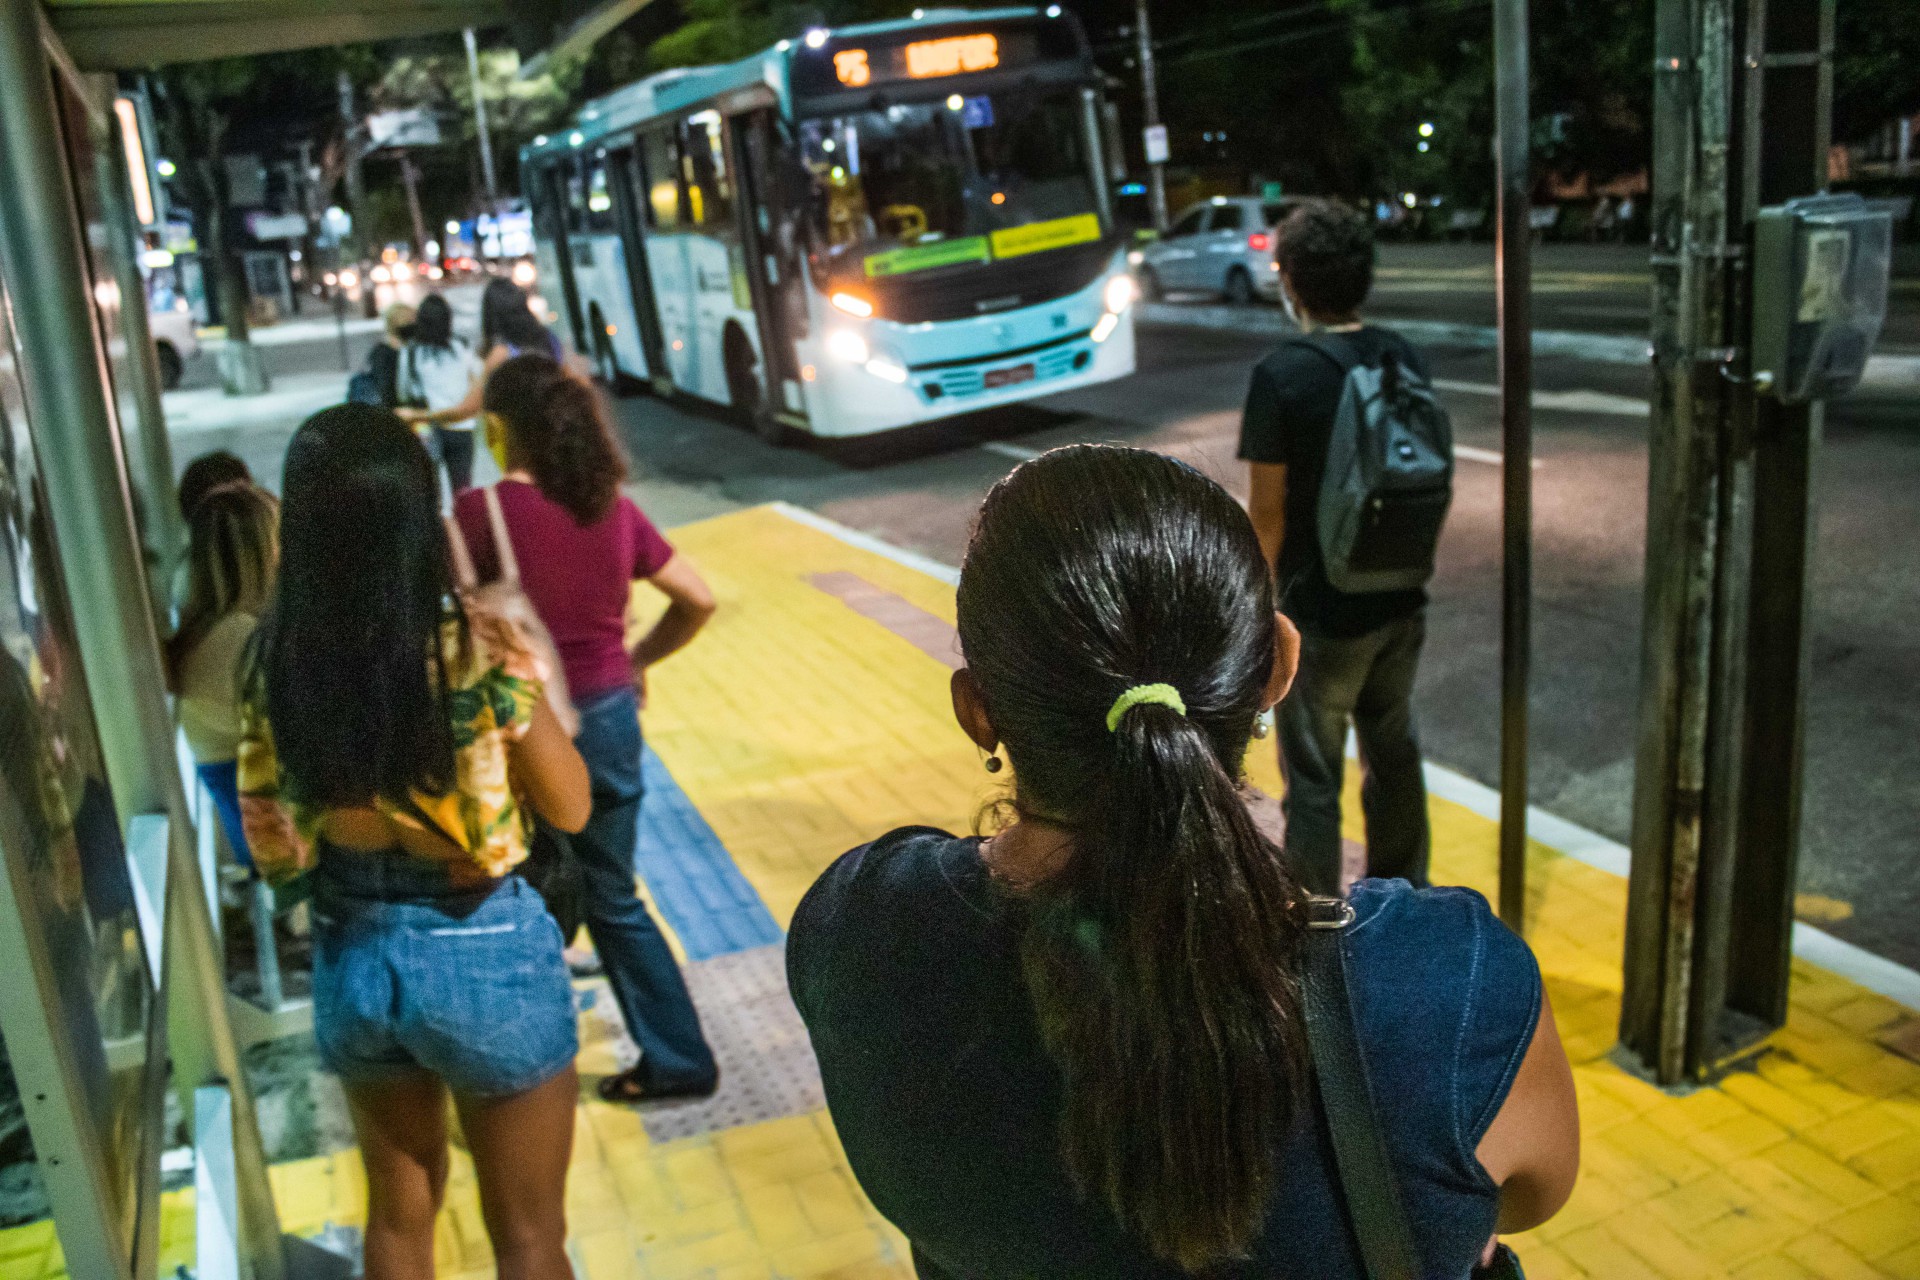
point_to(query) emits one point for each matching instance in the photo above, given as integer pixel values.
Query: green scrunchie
(1163, 694)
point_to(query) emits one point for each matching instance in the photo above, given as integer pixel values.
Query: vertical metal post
(1150, 114)
(480, 124)
(77, 445)
(356, 194)
(410, 179)
(1514, 271)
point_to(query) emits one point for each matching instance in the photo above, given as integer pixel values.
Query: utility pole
(1150, 115)
(410, 179)
(355, 250)
(1742, 118)
(1514, 268)
(480, 124)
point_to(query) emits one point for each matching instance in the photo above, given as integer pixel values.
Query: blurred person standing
(232, 550)
(1079, 1049)
(437, 369)
(1359, 649)
(580, 545)
(390, 739)
(508, 328)
(378, 381)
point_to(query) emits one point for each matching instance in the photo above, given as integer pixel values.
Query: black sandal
(631, 1087)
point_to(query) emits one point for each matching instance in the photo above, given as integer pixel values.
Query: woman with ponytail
(1078, 1048)
(580, 546)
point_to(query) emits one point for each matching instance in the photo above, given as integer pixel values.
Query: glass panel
(660, 167)
(1188, 224)
(1226, 217)
(58, 828)
(709, 186)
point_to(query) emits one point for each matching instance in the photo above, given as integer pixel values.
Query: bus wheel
(749, 404)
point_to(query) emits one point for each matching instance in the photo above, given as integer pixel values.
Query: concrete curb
(1886, 372)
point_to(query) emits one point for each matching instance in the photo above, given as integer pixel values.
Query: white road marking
(1006, 450)
(1857, 964)
(1564, 401)
(1492, 457)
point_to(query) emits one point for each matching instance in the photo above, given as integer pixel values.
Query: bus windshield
(917, 186)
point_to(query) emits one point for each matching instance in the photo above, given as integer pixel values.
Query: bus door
(771, 213)
(726, 327)
(627, 181)
(664, 249)
(554, 186)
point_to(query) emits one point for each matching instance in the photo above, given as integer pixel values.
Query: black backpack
(1389, 474)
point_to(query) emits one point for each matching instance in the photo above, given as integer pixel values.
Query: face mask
(496, 429)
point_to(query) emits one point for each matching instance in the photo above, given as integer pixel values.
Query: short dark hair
(1326, 255)
(205, 474)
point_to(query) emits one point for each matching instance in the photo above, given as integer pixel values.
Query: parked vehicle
(1223, 245)
(174, 341)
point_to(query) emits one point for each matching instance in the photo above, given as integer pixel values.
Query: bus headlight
(1104, 327)
(852, 303)
(886, 370)
(845, 344)
(1135, 257)
(1120, 294)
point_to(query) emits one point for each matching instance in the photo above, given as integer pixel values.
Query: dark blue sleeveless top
(904, 962)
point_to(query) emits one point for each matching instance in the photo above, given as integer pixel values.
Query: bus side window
(709, 185)
(576, 191)
(660, 163)
(599, 211)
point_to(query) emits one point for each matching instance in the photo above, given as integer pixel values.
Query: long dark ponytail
(1162, 961)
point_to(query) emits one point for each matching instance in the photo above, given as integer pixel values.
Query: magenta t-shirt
(578, 577)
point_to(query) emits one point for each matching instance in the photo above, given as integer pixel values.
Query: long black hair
(351, 655)
(505, 318)
(433, 323)
(1162, 962)
(557, 427)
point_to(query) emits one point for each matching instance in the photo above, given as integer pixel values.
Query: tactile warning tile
(690, 877)
(767, 1069)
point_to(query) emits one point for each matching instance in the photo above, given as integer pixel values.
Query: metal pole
(1514, 271)
(480, 124)
(356, 196)
(72, 419)
(1150, 114)
(410, 179)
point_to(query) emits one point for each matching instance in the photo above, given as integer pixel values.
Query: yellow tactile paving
(800, 728)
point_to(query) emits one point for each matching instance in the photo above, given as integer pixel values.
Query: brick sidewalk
(814, 715)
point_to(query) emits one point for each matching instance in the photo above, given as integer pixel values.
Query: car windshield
(916, 186)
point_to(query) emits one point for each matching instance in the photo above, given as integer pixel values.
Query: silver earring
(995, 764)
(1262, 725)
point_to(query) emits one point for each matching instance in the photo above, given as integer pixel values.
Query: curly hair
(557, 426)
(1326, 255)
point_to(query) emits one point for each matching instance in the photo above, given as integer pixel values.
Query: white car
(1222, 246)
(175, 341)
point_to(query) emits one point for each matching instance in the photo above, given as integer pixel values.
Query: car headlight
(845, 344)
(1120, 293)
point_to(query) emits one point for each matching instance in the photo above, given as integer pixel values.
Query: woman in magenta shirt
(581, 545)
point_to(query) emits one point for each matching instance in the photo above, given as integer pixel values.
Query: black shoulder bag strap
(1365, 1173)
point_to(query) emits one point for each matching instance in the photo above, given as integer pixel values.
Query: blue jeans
(412, 974)
(222, 781)
(1368, 680)
(640, 966)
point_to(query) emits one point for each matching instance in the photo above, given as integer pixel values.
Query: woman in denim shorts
(390, 738)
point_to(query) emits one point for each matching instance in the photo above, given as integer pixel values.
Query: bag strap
(463, 575)
(1362, 1166)
(1334, 347)
(502, 540)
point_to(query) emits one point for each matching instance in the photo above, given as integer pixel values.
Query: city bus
(853, 231)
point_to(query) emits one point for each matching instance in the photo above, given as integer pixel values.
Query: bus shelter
(115, 990)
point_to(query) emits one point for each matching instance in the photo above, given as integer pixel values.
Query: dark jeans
(1367, 679)
(456, 452)
(640, 967)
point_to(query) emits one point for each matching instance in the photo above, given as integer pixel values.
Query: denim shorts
(410, 974)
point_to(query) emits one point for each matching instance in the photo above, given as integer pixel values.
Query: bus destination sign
(872, 64)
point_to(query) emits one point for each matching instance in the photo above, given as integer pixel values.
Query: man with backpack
(1352, 468)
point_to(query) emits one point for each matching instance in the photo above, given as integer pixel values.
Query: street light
(1426, 128)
